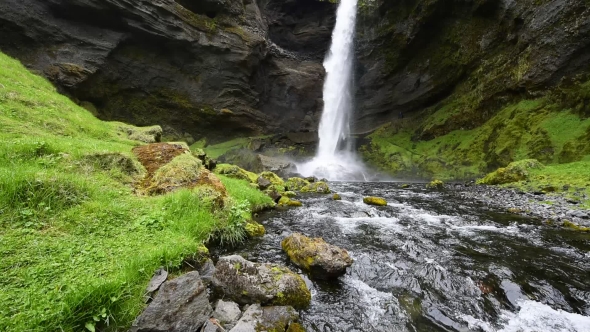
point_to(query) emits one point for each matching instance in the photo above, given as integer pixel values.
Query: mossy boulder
(376, 201)
(273, 178)
(316, 187)
(289, 194)
(254, 229)
(435, 184)
(296, 327)
(294, 203)
(112, 161)
(150, 134)
(514, 172)
(322, 260)
(209, 163)
(296, 184)
(246, 282)
(154, 156)
(236, 172)
(336, 197)
(182, 171)
(575, 227)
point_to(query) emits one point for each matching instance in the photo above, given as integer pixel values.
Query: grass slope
(77, 245)
(541, 129)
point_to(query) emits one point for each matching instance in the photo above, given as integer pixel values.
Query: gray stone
(274, 318)
(263, 183)
(206, 271)
(246, 282)
(181, 305)
(227, 312)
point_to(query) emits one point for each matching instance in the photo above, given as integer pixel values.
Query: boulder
(377, 201)
(435, 184)
(319, 187)
(274, 318)
(157, 280)
(181, 305)
(322, 260)
(263, 183)
(296, 184)
(279, 166)
(246, 282)
(254, 229)
(336, 197)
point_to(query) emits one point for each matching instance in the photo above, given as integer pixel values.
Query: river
(433, 261)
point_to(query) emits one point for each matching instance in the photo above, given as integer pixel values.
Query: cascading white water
(331, 161)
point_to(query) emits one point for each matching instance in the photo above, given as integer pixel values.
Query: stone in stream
(275, 318)
(181, 305)
(246, 282)
(322, 260)
(336, 197)
(377, 201)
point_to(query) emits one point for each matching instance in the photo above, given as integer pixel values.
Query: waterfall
(332, 161)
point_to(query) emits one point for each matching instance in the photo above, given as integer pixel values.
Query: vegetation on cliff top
(78, 246)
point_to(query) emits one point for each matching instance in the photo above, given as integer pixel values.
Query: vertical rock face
(414, 54)
(202, 67)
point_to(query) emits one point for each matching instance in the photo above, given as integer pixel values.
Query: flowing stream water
(432, 261)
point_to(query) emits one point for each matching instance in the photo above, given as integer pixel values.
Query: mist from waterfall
(335, 159)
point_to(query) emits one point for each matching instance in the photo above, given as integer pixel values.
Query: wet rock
(377, 201)
(294, 203)
(296, 183)
(405, 186)
(254, 229)
(181, 305)
(246, 282)
(435, 184)
(336, 197)
(227, 312)
(311, 179)
(322, 260)
(289, 194)
(263, 183)
(274, 318)
(316, 187)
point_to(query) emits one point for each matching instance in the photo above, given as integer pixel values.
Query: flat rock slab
(246, 282)
(322, 260)
(181, 305)
(227, 312)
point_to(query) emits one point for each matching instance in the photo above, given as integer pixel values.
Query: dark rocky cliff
(413, 54)
(215, 68)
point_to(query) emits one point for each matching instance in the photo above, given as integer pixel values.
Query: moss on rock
(514, 172)
(182, 171)
(336, 197)
(254, 229)
(435, 184)
(236, 172)
(377, 201)
(316, 187)
(575, 227)
(296, 184)
(273, 178)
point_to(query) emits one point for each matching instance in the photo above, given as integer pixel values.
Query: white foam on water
(538, 317)
(370, 298)
(533, 317)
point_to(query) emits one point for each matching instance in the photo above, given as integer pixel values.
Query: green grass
(77, 245)
(242, 191)
(571, 179)
(216, 150)
(527, 129)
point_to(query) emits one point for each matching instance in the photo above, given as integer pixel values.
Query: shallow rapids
(430, 261)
